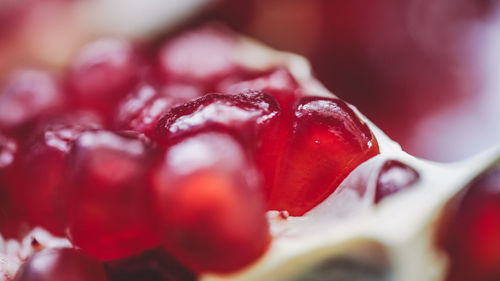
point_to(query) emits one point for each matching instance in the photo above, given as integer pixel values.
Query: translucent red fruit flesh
(26, 95)
(327, 141)
(151, 265)
(61, 264)
(143, 107)
(208, 196)
(470, 231)
(102, 73)
(394, 176)
(199, 57)
(107, 195)
(11, 214)
(243, 114)
(44, 159)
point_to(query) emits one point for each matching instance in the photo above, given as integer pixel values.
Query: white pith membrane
(392, 240)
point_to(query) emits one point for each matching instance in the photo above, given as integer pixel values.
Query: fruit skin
(470, 228)
(209, 200)
(326, 142)
(107, 195)
(61, 264)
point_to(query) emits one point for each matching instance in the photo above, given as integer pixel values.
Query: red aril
(61, 264)
(393, 177)
(11, 214)
(200, 57)
(141, 110)
(208, 197)
(470, 230)
(243, 114)
(102, 73)
(151, 265)
(44, 159)
(28, 94)
(327, 141)
(107, 195)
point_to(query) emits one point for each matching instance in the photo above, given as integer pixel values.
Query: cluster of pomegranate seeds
(61, 264)
(183, 151)
(470, 230)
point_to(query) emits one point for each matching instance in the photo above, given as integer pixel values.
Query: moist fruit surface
(163, 166)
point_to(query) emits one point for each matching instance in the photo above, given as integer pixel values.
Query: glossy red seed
(327, 142)
(107, 195)
(394, 176)
(61, 264)
(26, 95)
(43, 160)
(102, 73)
(243, 114)
(142, 109)
(11, 213)
(151, 265)
(470, 231)
(208, 197)
(200, 57)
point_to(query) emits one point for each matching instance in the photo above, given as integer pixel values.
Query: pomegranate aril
(142, 109)
(470, 231)
(44, 159)
(394, 176)
(102, 73)
(11, 214)
(327, 142)
(243, 114)
(200, 57)
(278, 83)
(28, 94)
(61, 264)
(150, 265)
(208, 197)
(107, 195)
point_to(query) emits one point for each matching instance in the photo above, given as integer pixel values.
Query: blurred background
(427, 72)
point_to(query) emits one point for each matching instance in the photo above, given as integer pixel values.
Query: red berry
(142, 109)
(243, 114)
(151, 265)
(43, 160)
(327, 141)
(107, 195)
(102, 73)
(27, 95)
(61, 264)
(209, 199)
(394, 176)
(471, 229)
(199, 57)
(11, 214)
